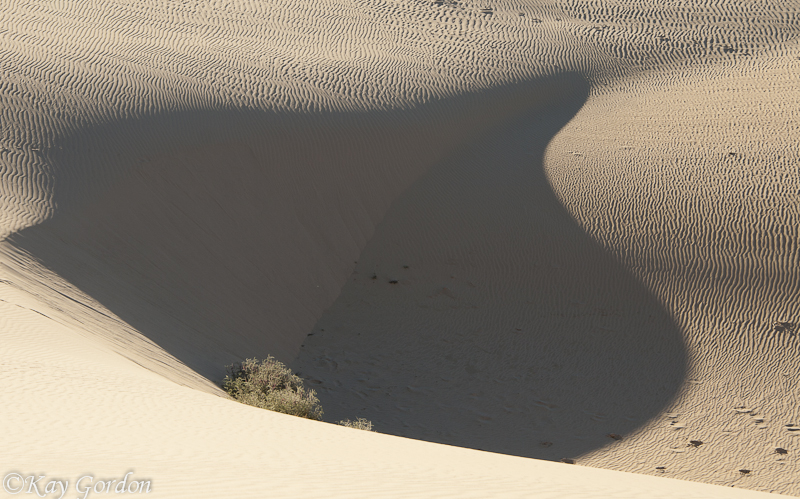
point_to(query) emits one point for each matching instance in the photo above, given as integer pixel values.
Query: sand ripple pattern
(188, 183)
(677, 32)
(712, 226)
(69, 66)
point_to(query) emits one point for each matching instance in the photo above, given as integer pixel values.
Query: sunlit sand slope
(519, 227)
(693, 186)
(700, 197)
(92, 413)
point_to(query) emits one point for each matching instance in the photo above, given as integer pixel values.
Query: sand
(500, 231)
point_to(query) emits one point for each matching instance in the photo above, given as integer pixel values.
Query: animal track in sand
(784, 327)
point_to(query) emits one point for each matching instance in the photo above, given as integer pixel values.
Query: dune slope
(596, 203)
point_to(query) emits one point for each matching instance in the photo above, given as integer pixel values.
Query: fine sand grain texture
(544, 229)
(713, 228)
(94, 413)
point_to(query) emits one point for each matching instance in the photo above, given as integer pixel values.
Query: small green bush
(271, 385)
(359, 424)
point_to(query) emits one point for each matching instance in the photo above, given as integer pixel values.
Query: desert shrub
(271, 385)
(359, 424)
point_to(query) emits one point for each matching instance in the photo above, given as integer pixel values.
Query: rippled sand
(515, 227)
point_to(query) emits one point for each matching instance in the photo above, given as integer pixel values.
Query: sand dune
(515, 227)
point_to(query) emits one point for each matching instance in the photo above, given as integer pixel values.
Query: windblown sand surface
(515, 227)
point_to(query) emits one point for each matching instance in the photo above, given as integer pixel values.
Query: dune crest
(552, 229)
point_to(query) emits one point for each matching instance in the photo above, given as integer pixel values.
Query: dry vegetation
(271, 385)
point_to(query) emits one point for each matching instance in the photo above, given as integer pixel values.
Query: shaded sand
(94, 413)
(517, 227)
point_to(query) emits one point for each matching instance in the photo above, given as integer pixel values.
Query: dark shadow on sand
(218, 235)
(481, 315)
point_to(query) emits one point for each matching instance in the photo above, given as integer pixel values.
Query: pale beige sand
(597, 205)
(80, 409)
